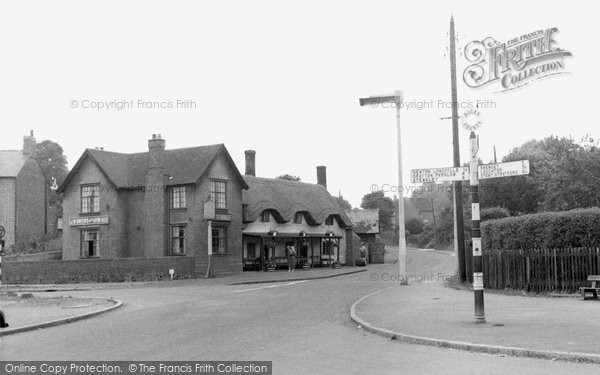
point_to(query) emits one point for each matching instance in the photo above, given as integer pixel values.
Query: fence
(540, 270)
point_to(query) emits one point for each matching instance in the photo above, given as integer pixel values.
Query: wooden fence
(540, 270)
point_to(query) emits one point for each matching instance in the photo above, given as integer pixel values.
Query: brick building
(279, 212)
(22, 194)
(151, 205)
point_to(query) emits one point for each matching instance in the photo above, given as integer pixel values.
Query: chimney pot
(322, 175)
(250, 162)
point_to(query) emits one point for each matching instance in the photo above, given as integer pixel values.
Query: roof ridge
(286, 181)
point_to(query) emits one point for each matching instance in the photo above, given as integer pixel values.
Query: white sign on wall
(93, 220)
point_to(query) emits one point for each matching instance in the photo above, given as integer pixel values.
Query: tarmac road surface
(302, 326)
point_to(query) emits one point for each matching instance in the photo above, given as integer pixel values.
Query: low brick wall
(49, 255)
(96, 270)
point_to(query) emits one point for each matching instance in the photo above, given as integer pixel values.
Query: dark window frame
(91, 201)
(330, 220)
(180, 238)
(83, 252)
(178, 197)
(215, 195)
(219, 242)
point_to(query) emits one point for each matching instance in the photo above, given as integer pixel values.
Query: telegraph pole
(459, 234)
(476, 232)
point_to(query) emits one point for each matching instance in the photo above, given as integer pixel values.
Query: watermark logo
(514, 63)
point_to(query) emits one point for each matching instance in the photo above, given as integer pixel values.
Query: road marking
(269, 286)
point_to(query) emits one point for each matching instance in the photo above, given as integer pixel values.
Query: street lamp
(397, 99)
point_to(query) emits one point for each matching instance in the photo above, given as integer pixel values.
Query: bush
(414, 225)
(493, 213)
(576, 228)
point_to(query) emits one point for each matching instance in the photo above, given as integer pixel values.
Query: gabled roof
(184, 165)
(364, 221)
(284, 198)
(11, 162)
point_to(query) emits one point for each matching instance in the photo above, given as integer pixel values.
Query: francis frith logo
(514, 63)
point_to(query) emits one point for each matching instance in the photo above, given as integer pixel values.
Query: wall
(96, 270)
(31, 202)
(48, 255)
(231, 262)
(7, 210)
(112, 237)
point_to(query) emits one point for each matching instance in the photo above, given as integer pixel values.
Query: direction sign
(439, 174)
(512, 168)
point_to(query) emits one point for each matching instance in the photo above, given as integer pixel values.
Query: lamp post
(397, 99)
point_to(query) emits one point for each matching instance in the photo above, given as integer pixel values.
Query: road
(303, 327)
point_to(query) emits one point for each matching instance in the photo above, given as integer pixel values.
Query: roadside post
(395, 99)
(2, 232)
(473, 173)
(3, 323)
(209, 216)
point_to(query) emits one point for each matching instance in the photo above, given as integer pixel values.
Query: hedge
(493, 213)
(566, 229)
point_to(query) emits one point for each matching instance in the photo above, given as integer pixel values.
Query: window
(265, 216)
(178, 239)
(89, 243)
(178, 197)
(218, 194)
(298, 218)
(90, 198)
(329, 220)
(219, 240)
(251, 250)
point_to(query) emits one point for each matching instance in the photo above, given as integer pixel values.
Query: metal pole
(476, 233)
(209, 270)
(459, 234)
(401, 232)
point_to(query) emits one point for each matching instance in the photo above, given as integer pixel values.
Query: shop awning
(290, 235)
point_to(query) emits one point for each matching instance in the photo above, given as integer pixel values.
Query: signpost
(484, 171)
(3, 323)
(209, 216)
(397, 98)
(474, 172)
(439, 174)
(2, 232)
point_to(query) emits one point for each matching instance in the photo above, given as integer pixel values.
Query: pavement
(427, 312)
(29, 313)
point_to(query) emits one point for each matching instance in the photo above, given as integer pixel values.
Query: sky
(284, 79)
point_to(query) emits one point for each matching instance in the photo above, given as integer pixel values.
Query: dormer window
(265, 216)
(329, 220)
(298, 218)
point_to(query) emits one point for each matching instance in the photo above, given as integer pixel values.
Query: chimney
(154, 200)
(322, 175)
(156, 151)
(29, 144)
(250, 162)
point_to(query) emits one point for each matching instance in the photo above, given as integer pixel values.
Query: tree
(563, 176)
(344, 204)
(385, 205)
(288, 177)
(53, 162)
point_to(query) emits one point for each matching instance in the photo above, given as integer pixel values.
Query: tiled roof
(184, 165)
(11, 163)
(364, 221)
(285, 198)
